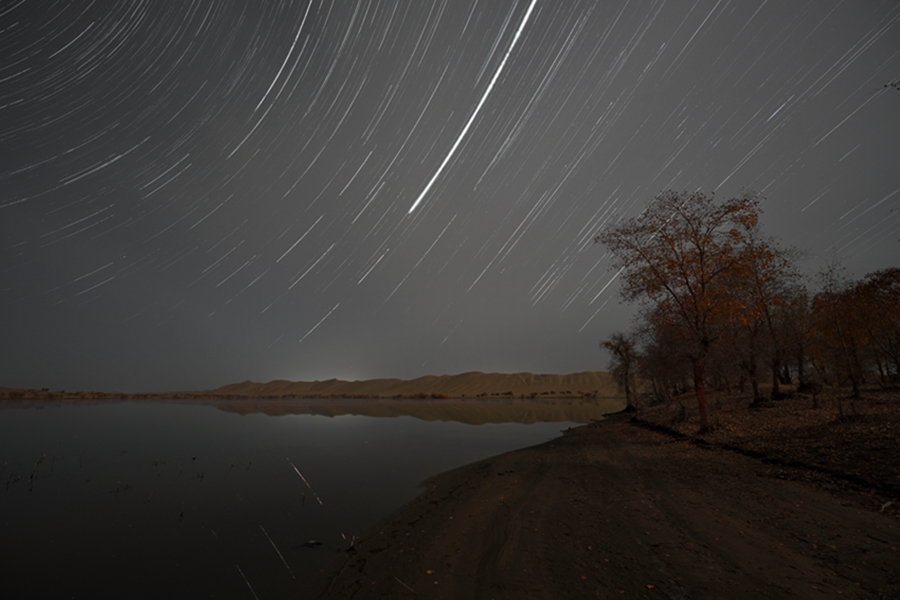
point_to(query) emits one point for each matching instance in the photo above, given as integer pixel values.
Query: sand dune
(470, 412)
(589, 384)
(473, 384)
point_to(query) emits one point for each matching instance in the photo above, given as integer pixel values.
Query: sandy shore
(616, 510)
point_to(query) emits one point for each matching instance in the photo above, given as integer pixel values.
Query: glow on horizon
(477, 108)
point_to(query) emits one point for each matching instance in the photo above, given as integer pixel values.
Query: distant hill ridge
(472, 384)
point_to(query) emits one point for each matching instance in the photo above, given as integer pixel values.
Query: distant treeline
(46, 394)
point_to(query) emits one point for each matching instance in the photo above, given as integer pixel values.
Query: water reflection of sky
(137, 499)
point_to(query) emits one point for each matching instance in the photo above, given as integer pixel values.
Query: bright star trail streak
(477, 108)
(316, 326)
(411, 188)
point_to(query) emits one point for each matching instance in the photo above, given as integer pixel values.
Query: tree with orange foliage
(766, 284)
(837, 335)
(681, 257)
(856, 328)
(879, 300)
(660, 360)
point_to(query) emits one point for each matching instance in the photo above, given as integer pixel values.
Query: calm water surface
(186, 500)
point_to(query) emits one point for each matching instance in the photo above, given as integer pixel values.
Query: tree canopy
(699, 266)
(720, 303)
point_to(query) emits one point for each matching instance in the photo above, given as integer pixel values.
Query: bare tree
(623, 364)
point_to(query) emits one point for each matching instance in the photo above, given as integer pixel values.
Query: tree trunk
(754, 383)
(750, 366)
(786, 373)
(801, 367)
(849, 360)
(776, 379)
(629, 391)
(700, 389)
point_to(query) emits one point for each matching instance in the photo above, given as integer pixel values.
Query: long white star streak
(299, 240)
(296, 281)
(477, 107)
(322, 320)
(286, 58)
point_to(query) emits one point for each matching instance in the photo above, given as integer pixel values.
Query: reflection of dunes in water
(473, 412)
(470, 385)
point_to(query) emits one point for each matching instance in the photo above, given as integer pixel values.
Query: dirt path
(613, 510)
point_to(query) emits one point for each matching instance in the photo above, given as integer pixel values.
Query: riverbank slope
(617, 509)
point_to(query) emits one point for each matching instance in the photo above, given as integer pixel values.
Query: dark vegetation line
(724, 307)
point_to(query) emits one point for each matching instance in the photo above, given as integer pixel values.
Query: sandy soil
(617, 510)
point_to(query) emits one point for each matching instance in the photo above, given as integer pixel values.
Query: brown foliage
(701, 268)
(855, 329)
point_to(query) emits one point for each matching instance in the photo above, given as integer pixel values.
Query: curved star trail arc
(487, 92)
(199, 192)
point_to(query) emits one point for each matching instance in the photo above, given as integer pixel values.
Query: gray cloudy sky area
(200, 192)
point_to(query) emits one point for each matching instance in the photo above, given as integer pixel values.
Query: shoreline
(473, 385)
(612, 509)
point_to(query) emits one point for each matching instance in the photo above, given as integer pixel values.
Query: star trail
(194, 193)
(477, 108)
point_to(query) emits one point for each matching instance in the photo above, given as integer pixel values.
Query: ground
(768, 505)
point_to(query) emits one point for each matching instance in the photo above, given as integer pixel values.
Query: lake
(227, 499)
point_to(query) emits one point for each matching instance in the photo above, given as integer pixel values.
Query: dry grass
(852, 444)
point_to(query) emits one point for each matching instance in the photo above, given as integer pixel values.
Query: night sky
(194, 193)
